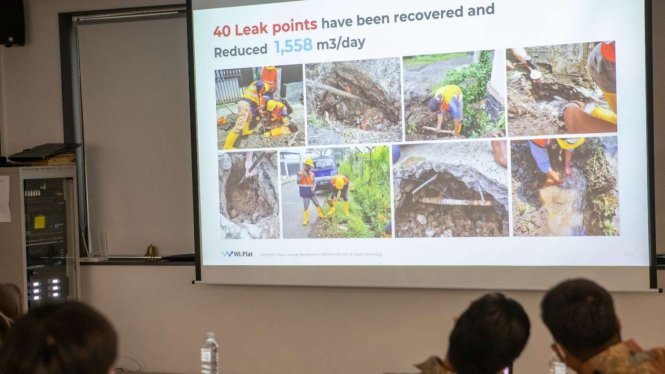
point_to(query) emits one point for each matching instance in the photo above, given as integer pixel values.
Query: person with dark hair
(67, 338)
(587, 333)
(448, 99)
(10, 308)
(486, 339)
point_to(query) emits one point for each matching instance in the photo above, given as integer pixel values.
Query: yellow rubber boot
(246, 130)
(230, 139)
(346, 208)
(306, 221)
(320, 211)
(605, 114)
(332, 210)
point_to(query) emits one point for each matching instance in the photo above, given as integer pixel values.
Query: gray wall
(162, 318)
(137, 135)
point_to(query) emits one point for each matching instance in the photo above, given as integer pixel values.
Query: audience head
(10, 308)
(580, 315)
(488, 336)
(66, 338)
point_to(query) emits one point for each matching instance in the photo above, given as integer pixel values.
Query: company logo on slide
(237, 254)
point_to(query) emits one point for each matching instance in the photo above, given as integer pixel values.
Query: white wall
(162, 318)
(31, 74)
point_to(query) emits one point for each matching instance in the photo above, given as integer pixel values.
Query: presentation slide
(477, 137)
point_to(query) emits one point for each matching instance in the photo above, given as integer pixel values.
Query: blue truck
(325, 168)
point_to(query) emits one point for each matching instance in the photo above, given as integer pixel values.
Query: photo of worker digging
(346, 190)
(354, 102)
(248, 195)
(565, 187)
(260, 107)
(562, 89)
(454, 95)
(451, 190)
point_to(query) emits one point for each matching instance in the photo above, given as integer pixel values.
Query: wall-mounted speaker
(12, 23)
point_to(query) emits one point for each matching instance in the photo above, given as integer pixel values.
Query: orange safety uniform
(540, 142)
(269, 76)
(344, 190)
(306, 183)
(333, 181)
(279, 114)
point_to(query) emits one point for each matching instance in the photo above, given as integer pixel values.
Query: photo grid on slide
(518, 142)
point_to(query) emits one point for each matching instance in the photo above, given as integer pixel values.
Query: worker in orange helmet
(278, 112)
(601, 66)
(339, 190)
(269, 76)
(252, 101)
(307, 188)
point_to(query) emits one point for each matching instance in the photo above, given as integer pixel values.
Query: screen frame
(653, 283)
(651, 174)
(194, 139)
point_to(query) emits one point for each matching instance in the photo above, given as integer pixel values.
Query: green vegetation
(314, 121)
(473, 80)
(369, 197)
(412, 128)
(428, 59)
(600, 186)
(604, 207)
(522, 209)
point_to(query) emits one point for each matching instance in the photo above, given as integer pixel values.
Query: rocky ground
(586, 204)
(257, 139)
(249, 210)
(463, 171)
(337, 119)
(533, 107)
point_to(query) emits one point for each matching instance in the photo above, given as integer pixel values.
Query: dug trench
(249, 210)
(446, 207)
(585, 205)
(346, 103)
(533, 107)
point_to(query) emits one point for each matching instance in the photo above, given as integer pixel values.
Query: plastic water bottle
(557, 366)
(210, 355)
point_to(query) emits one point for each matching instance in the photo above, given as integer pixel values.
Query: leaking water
(564, 205)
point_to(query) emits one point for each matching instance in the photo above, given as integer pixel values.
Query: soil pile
(370, 113)
(249, 210)
(533, 107)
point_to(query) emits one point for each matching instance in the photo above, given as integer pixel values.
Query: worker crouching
(339, 191)
(448, 98)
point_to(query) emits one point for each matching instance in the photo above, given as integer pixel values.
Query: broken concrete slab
(450, 190)
(470, 162)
